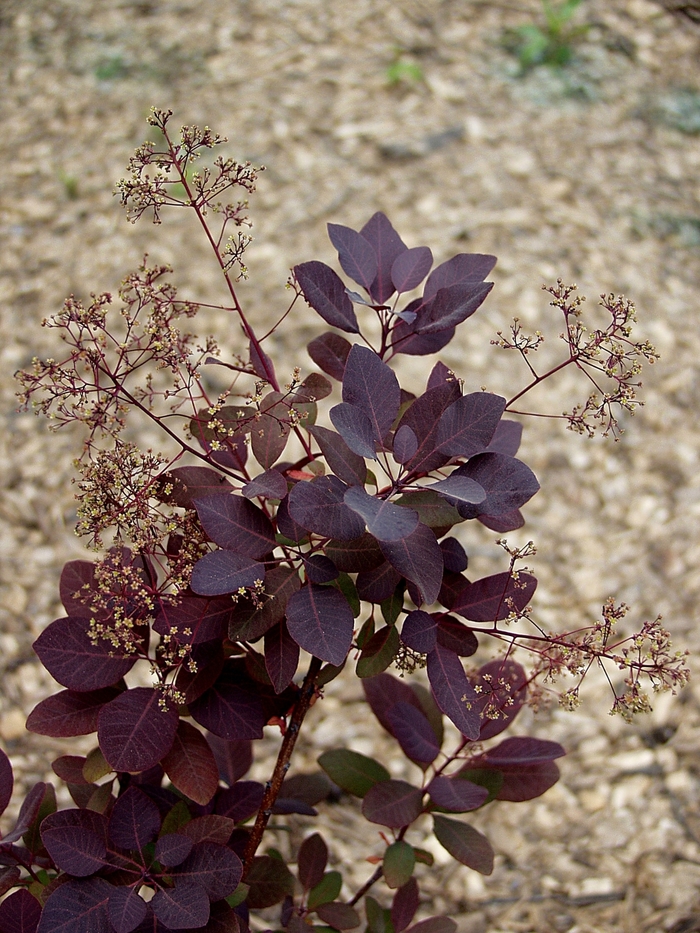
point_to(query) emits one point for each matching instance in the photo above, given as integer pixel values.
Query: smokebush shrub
(245, 582)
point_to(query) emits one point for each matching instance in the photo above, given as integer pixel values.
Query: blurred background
(564, 138)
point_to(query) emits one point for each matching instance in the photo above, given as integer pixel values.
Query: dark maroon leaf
(434, 925)
(215, 867)
(173, 848)
(503, 690)
(433, 510)
(272, 428)
(464, 843)
(270, 882)
(233, 757)
(68, 654)
(320, 569)
(286, 524)
(523, 750)
(456, 794)
(459, 488)
(462, 269)
(77, 907)
(385, 521)
(312, 861)
(207, 619)
(502, 523)
(338, 916)
(249, 622)
(405, 444)
(378, 584)
(314, 387)
(77, 587)
(28, 812)
(261, 362)
(404, 905)
(137, 729)
(418, 558)
(347, 465)
(439, 375)
(194, 482)
(450, 307)
(453, 693)
(493, 598)
(414, 733)
(470, 423)
(223, 571)
(184, 907)
(20, 913)
(134, 821)
(319, 506)
(76, 840)
(507, 438)
(370, 385)
(6, 780)
(270, 484)
(355, 429)
(387, 246)
(281, 656)
(126, 909)
(382, 692)
(356, 255)
(191, 766)
(240, 801)
(526, 781)
(406, 340)
(70, 769)
(324, 291)
(454, 555)
(230, 711)
(455, 636)
(329, 352)
(321, 622)
(508, 482)
(392, 803)
(419, 631)
(209, 658)
(354, 556)
(423, 417)
(378, 652)
(234, 523)
(410, 268)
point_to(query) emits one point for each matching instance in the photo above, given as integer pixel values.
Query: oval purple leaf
(454, 555)
(356, 429)
(414, 733)
(419, 631)
(355, 254)
(418, 558)
(405, 904)
(324, 291)
(281, 656)
(222, 572)
(384, 520)
(230, 712)
(392, 803)
(215, 867)
(347, 465)
(126, 909)
(460, 488)
(319, 506)
(186, 906)
(493, 598)
(270, 484)
(410, 268)
(503, 684)
(523, 749)
(457, 637)
(387, 245)
(321, 622)
(20, 913)
(460, 270)
(453, 693)
(134, 820)
(372, 386)
(329, 352)
(172, 849)
(77, 907)
(508, 483)
(464, 843)
(137, 729)
(312, 860)
(405, 444)
(6, 781)
(76, 840)
(235, 523)
(67, 652)
(456, 794)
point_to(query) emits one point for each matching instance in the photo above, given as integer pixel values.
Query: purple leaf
(460, 488)
(453, 693)
(385, 521)
(347, 465)
(324, 291)
(503, 690)
(526, 781)
(137, 729)
(410, 268)
(456, 637)
(405, 444)
(68, 654)
(207, 619)
(77, 587)
(369, 384)
(212, 827)
(126, 909)
(523, 750)
(314, 387)
(261, 362)
(377, 584)
(383, 692)
(418, 558)
(470, 423)
(329, 352)
(320, 569)
(319, 506)
(270, 882)
(507, 438)
(378, 652)
(233, 757)
(508, 521)
(464, 843)
(360, 554)
(240, 801)
(439, 375)
(70, 769)
(508, 482)
(184, 907)
(28, 812)
(281, 656)
(414, 733)
(191, 766)
(462, 269)
(406, 340)
(494, 598)
(355, 254)
(311, 861)
(355, 429)
(223, 571)
(215, 867)
(387, 246)
(456, 794)
(419, 631)
(270, 484)
(234, 523)
(286, 524)
(450, 306)
(230, 712)
(269, 438)
(423, 417)
(76, 840)
(209, 658)
(134, 821)
(172, 849)
(434, 925)
(392, 803)
(77, 907)
(20, 913)
(454, 555)
(249, 622)
(404, 905)
(321, 622)
(193, 482)
(6, 780)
